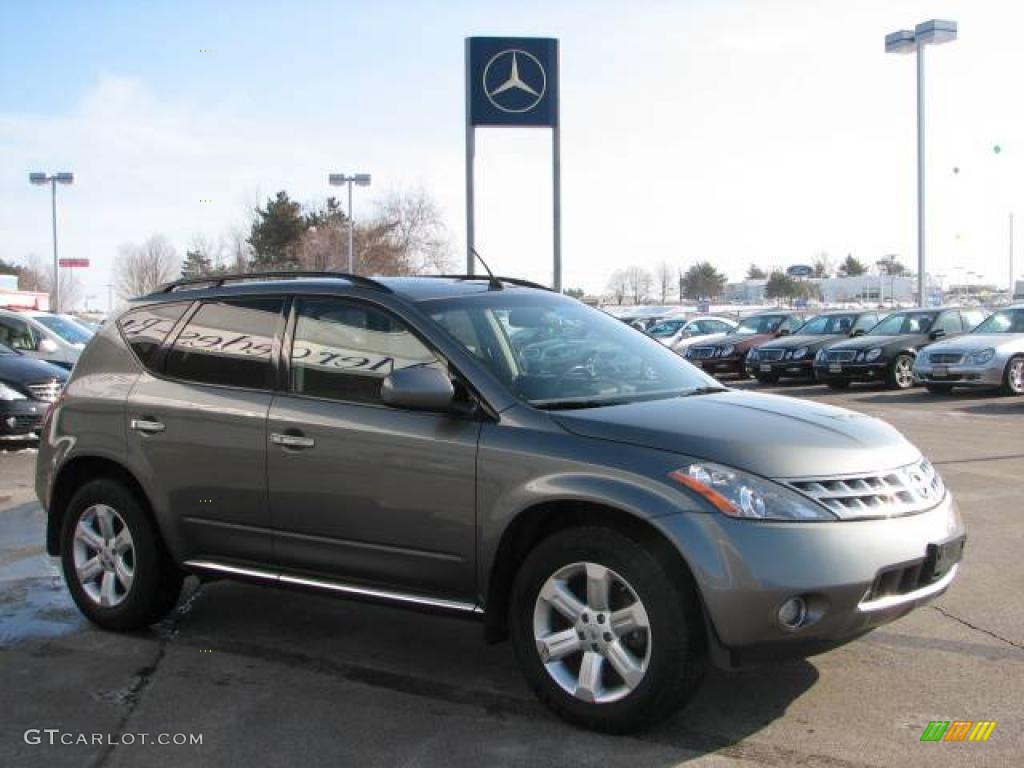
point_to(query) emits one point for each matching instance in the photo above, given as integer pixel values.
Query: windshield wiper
(564, 405)
(703, 391)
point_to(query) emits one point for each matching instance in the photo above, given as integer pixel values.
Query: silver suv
(489, 448)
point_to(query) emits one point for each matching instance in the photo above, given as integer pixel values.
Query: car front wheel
(607, 638)
(1013, 376)
(901, 372)
(114, 563)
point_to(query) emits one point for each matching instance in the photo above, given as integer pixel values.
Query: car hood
(795, 342)
(869, 342)
(769, 435)
(689, 341)
(745, 341)
(18, 369)
(970, 342)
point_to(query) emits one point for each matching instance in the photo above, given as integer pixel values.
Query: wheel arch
(543, 519)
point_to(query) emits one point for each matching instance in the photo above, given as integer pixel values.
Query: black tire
(156, 582)
(1012, 385)
(837, 384)
(894, 376)
(768, 380)
(939, 389)
(677, 649)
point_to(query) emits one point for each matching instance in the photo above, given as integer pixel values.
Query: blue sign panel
(800, 270)
(512, 81)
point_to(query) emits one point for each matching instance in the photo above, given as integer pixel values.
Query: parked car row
(964, 348)
(37, 349)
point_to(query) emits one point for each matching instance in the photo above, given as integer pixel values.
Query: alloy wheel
(903, 371)
(592, 633)
(1015, 376)
(104, 555)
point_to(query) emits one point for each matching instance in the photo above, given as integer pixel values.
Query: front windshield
(827, 325)
(5, 350)
(1003, 321)
(903, 323)
(666, 328)
(66, 328)
(556, 353)
(759, 324)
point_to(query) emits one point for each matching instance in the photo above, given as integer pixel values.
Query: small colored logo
(958, 730)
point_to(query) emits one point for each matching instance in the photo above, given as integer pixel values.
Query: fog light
(792, 613)
(10, 421)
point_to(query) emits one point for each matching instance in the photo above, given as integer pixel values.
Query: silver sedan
(992, 355)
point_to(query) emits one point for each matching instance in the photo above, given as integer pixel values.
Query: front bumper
(21, 417)
(719, 365)
(853, 575)
(782, 368)
(987, 375)
(875, 371)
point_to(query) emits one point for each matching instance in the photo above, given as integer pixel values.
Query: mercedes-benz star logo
(514, 81)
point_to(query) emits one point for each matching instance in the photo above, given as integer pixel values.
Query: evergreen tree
(276, 234)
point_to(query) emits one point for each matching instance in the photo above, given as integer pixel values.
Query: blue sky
(764, 130)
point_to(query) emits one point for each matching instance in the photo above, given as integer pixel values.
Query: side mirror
(858, 332)
(419, 388)
(783, 332)
(49, 346)
(938, 333)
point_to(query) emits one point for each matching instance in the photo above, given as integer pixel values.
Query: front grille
(47, 391)
(903, 491)
(839, 355)
(945, 358)
(770, 355)
(22, 424)
(701, 353)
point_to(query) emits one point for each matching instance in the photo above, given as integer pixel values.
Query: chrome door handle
(292, 441)
(147, 427)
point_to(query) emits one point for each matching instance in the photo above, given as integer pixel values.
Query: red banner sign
(73, 262)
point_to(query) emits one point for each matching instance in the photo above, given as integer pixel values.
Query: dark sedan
(886, 353)
(27, 387)
(793, 356)
(728, 354)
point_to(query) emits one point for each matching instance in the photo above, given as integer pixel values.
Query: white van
(46, 336)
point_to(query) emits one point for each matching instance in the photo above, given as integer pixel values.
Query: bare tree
(406, 236)
(638, 283)
(665, 279)
(141, 269)
(618, 286)
(37, 275)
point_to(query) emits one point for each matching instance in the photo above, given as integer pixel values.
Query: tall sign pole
(513, 82)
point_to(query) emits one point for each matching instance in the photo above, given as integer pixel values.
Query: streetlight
(337, 180)
(931, 32)
(53, 180)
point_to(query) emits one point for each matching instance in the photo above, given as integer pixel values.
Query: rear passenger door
(196, 425)
(360, 491)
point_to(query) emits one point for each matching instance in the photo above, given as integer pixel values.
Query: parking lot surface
(277, 678)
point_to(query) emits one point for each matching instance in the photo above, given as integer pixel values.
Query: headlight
(820, 355)
(740, 494)
(727, 350)
(982, 356)
(800, 353)
(6, 393)
(873, 354)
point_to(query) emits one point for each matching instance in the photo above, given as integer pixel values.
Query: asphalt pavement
(268, 677)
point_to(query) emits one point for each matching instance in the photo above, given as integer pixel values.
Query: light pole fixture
(931, 32)
(53, 179)
(361, 180)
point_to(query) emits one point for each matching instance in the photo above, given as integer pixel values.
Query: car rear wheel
(114, 563)
(606, 637)
(939, 389)
(901, 372)
(1013, 376)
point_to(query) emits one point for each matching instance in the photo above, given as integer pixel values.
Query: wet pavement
(269, 677)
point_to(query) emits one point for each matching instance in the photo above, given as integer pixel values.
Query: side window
(972, 318)
(949, 322)
(145, 329)
(792, 323)
(17, 334)
(343, 350)
(227, 342)
(865, 322)
(459, 325)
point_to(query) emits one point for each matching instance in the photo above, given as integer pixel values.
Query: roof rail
(218, 280)
(510, 280)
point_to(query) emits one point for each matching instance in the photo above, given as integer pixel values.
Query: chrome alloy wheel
(1015, 376)
(903, 371)
(104, 555)
(592, 633)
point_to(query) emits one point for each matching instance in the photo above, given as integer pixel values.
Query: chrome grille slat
(46, 391)
(839, 355)
(945, 358)
(701, 353)
(770, 355)
(890, 493)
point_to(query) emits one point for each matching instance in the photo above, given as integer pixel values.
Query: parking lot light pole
(905, 41)
(359, 179)
(53, 179)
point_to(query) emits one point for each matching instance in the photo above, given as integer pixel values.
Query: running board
(352, 590)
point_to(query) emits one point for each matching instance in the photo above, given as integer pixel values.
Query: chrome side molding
(386, 595)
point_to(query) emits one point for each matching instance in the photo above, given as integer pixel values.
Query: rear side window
(227, 342)
(145, 329)
(949, 322)
(972, 318)
(18, 334)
